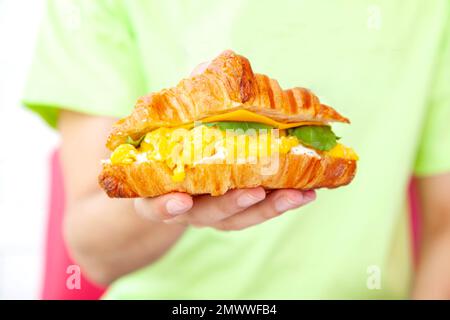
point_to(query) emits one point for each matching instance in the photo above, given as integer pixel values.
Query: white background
(25, 148)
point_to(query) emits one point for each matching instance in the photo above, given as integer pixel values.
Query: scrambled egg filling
(179, 148)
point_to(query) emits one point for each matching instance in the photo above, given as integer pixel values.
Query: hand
(235, 210)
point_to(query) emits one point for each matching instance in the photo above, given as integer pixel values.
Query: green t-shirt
(384, 64)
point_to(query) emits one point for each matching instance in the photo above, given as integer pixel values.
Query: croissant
(226, 94)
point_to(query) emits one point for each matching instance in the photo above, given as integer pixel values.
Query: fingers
(235, 210)
(207, 210)
(275, 204)
(163, 207)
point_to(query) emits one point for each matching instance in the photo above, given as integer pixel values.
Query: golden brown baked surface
(227, 84)
(301, 172)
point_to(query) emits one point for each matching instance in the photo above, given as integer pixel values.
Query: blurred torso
(373, 62)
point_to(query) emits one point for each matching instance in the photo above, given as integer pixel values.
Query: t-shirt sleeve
(86, 60)
(433, 155)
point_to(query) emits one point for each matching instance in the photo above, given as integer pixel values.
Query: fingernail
(246, 200)
(175, 207)
(309, 196)
(284, 203)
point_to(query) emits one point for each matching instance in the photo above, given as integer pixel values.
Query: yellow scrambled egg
(181, 147)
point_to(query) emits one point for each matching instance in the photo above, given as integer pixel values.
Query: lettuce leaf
(235, 125)
(135, 143)
(318, 137)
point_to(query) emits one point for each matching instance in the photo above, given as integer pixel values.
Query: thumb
(163, 207)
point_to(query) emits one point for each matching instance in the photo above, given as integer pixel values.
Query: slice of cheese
(248, 116)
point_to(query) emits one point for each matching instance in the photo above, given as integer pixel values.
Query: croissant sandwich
(223, 129)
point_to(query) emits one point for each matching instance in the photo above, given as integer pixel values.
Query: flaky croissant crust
(303, 172)
(227, 84)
